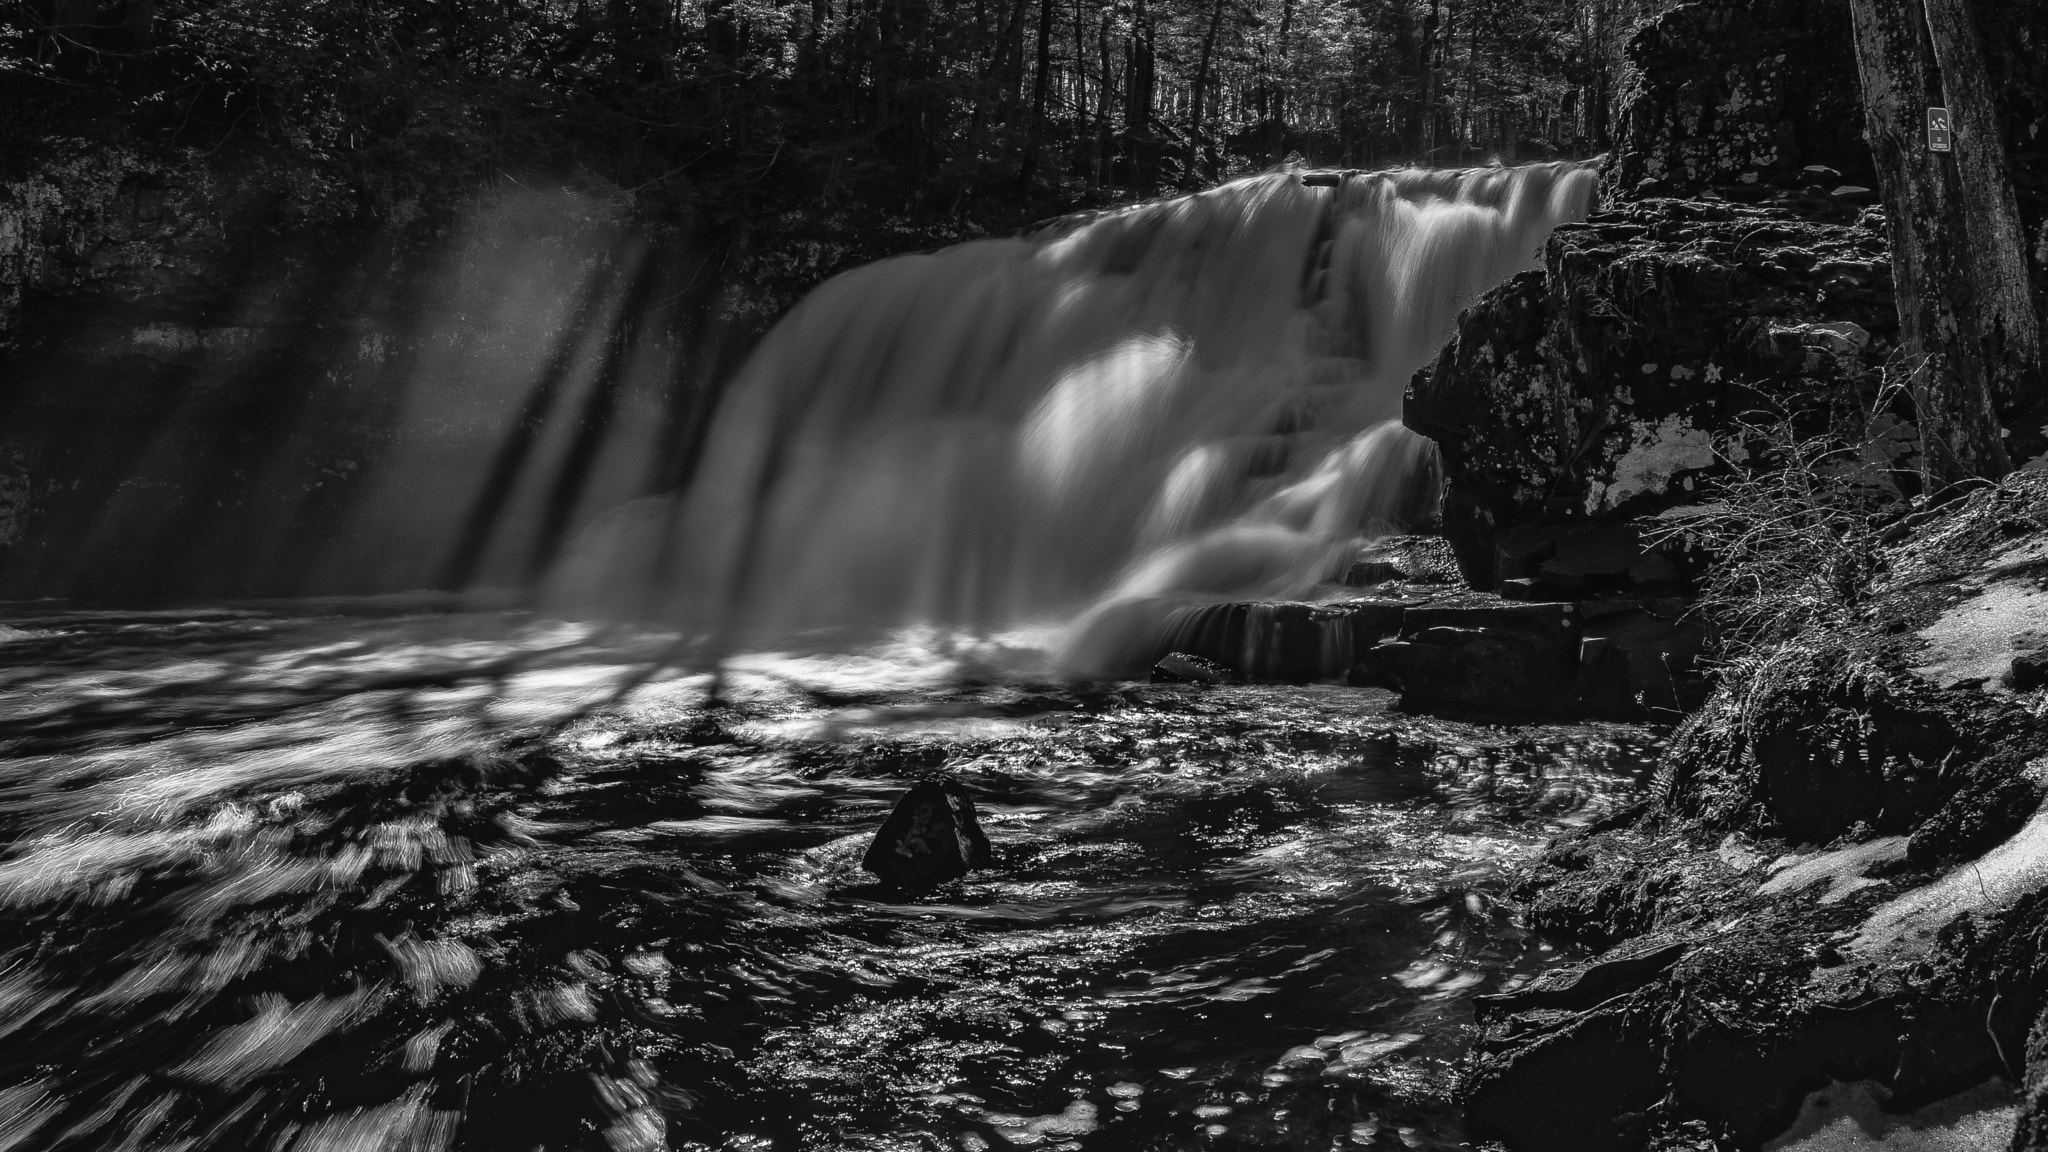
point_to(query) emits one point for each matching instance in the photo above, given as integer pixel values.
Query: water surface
(367, 876)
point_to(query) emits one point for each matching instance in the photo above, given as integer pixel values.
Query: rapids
(405, 875)
(1114, 416)
(363, 876)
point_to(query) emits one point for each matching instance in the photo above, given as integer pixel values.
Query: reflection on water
(400, 880)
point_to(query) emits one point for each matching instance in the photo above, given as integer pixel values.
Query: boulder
(1404, 559)
(1578, 402)
(1743, 97)
(1506, 657)
(1181, 668)
(931, 836)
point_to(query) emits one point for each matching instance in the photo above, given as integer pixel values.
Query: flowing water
(389, 875)
(1102, 422)
(380, 878)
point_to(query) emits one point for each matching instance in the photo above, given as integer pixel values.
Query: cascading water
(1188, 400)
(371, 874)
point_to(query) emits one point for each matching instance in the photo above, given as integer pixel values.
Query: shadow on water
(392, 878)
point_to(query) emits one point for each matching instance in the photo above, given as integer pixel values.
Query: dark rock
(1620, 969)
(1577, 402)
(1512, 657)
(1741, 96)
(2029, 671)
(1181, 668)
(1521, 588)
(1411, 559)
(1369, 570)
(931, 836)
(1635, 664)
(1287, 642)
(1608, 1073)
(1995, 799)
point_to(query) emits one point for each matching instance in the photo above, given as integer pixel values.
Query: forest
(990, 111)
(1077, 575)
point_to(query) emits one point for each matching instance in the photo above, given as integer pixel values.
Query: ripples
(437, 882)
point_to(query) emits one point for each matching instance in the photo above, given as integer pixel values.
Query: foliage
(1791, 530)
(933, 108)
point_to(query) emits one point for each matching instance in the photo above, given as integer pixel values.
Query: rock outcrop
(1621, 658)
(1578, 401)
(1837, 883)
(931, 836)
(1743, 96)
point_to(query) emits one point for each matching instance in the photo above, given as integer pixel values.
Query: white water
(1185, 401)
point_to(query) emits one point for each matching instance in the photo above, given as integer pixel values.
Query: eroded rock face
(1606, 387)
(1744, 96)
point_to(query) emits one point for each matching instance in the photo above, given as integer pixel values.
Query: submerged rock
(932, 836)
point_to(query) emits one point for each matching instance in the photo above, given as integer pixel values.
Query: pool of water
(368, 876)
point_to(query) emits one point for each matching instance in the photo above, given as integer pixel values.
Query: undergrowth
(1792, 528)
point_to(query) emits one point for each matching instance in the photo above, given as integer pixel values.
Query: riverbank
(1836, 883)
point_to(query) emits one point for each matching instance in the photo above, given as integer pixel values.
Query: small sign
(1940, 130)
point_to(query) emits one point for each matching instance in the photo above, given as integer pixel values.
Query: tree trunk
(1040, 81)
(1280, 67)
(1965, 348)
(1199, 99)
(1105, 102)
(2007, 324)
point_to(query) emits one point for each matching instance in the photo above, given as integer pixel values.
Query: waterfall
(1097, 423)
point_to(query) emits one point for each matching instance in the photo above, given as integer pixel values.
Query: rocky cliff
(1577, 403)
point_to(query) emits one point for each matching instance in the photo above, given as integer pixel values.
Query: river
(378, 874)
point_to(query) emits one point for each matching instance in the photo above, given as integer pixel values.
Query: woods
(913, 104)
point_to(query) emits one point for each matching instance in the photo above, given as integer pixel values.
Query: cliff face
(1576, 402)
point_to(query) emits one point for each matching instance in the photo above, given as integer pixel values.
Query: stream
(378, 875)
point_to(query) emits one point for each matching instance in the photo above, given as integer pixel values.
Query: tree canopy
(922, 107)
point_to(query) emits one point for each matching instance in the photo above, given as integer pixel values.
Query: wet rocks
(1619, 970)
(931, 836)
(1621, 658)
(1577, 403)
(1283, 641)
(1181, 668)
(1403, 559)
(1511, 657)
